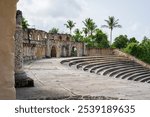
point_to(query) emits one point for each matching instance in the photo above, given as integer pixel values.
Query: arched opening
(74, 51)
(67, 38)
(53, 51)
(60, 38)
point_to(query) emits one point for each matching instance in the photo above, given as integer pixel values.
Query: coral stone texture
(7, 24)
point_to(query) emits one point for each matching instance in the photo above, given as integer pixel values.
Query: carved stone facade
(38, 44)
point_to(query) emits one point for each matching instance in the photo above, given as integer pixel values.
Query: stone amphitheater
(111, 75)
(60, 68)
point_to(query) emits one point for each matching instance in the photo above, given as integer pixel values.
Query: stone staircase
(112, 66)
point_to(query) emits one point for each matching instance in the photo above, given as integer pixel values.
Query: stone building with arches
(38, 44)
(33, 44)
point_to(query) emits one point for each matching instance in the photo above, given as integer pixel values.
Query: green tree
(90, 25)
(133, 49)
(85, 30)
(25, 24)
(121, 41)
(70, 25)
(101, 39)
(54, 30)
(133, 40)
(78, 35)
(111, 24)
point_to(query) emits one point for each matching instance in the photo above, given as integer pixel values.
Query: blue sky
(133, 15)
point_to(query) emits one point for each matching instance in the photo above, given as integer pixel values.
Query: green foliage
(133, 40)
(121, 41)
(78, 35)
(101, 39)
(141, 51)
(25, 24)
(54, 30)
(133, 49)
(70, 25)
(111, 24)
(90, 26)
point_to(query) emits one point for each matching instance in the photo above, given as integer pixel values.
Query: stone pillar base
(22, 80)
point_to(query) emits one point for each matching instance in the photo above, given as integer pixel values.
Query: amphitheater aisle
(56, 81)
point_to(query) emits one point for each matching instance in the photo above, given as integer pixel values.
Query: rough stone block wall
(99, 51)
(7, 30)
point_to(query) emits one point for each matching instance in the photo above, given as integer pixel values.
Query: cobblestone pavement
(56, 81)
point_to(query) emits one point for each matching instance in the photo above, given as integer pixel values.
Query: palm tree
(85, 30)
(90, 25)
(70, 24)
(111, 24)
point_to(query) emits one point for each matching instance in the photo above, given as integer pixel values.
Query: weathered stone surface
(7, 23)
(53, 80)
(21, 79)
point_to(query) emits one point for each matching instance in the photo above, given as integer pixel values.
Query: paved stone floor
(56, 81)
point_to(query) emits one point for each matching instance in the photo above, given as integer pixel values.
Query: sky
(133, 15)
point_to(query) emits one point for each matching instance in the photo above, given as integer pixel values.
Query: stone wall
(99, 51)
(7, 30)
(38, 44)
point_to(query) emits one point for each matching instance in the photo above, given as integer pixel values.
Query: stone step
(124, 71)
(94, 66)
(110, 66)
(94, 63)
(133, 76)
(73, 62)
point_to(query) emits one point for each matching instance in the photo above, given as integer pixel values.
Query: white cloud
(45, 14)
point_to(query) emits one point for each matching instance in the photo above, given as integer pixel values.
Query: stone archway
(74, 51)
(53, 51)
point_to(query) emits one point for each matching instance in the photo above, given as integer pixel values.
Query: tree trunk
(110, 36)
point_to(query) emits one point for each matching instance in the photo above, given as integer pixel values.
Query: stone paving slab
(56, 81)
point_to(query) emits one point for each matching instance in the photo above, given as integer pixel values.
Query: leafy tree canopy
(121, 41)
(54, 30)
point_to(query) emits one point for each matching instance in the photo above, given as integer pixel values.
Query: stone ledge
(22, 80)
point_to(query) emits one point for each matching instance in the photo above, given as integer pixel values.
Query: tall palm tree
(90, 25)
(70, 24)
(111, 24)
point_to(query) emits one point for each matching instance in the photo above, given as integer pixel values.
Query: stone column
(7, 23)
(21, 79)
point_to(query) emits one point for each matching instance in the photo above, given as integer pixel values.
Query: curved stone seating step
(125, 71)
(107, 71)
(96, 60)
(130, 75)
(135, 75)
(110, 66)
(145, 79)
(77, 58)
(73, 62)
(96, 63)
(105, 63)
(139, 78)
(87, 57)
